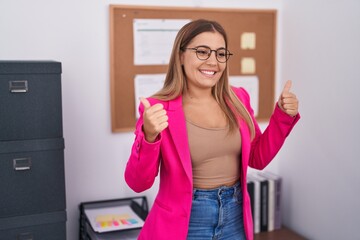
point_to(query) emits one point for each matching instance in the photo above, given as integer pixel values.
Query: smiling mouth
(210, 73)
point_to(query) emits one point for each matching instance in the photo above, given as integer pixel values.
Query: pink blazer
(170, 214)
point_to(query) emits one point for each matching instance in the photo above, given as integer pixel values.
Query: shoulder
(242, 94)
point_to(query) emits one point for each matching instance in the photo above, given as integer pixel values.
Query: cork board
(235, 21)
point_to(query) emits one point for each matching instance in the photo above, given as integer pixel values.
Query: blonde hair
(175, 81)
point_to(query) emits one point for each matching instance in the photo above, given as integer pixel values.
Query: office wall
(77, 34)
(321, 164)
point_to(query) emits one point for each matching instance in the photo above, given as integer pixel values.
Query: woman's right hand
(155, 119)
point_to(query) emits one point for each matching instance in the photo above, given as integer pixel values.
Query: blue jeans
(217, 214)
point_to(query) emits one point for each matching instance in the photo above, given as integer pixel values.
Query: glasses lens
(222, 55)
(203, 53)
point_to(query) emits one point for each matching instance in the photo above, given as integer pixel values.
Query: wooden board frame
(235, 22)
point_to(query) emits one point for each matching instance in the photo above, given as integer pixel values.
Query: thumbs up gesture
(155, 119)
(288, 102)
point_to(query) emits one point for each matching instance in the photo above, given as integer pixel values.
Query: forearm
(266, 145)
(143, 164)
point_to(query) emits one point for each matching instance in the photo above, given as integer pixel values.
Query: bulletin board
(235, 22)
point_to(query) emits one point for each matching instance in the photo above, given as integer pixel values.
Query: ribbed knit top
(214, 155)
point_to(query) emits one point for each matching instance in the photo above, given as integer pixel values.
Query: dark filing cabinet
(32, 176)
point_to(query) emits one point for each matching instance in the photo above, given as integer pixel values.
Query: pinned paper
(146, 85)
(251, 85)
(248, 40)
(248, 65)
(154, 38)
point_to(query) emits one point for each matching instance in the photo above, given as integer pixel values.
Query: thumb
(145, 102)
(287, 86)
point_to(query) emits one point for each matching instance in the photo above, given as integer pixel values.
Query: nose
(212, 59)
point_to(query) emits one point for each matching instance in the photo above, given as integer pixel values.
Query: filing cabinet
(32, 175)
(44, 226)
(30, 97)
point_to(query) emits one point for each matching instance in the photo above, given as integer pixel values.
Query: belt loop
(236, 188)
(221, 190)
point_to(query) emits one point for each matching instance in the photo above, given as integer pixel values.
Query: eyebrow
(209, 47)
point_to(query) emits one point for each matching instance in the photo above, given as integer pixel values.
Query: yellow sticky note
(248, 40)
(248, 65)
(104, 218)
(122, 216)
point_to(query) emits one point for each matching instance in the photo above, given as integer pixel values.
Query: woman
(202, 135)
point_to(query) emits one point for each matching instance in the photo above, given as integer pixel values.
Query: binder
(126, 214)
(257, 202)
(261, 195)
(274, 204)
(251, 192)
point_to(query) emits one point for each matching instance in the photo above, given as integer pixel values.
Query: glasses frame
(209, 54)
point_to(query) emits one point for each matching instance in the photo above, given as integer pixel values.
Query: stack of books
(265, 194)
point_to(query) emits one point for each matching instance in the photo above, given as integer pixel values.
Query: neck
(200, 95)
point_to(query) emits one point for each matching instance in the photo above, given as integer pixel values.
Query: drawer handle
(22, 164)
(25, 236)
(19, 86)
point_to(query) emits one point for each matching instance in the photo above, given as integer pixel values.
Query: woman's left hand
(288, 102)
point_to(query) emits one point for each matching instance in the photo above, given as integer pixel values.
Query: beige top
(214, 155)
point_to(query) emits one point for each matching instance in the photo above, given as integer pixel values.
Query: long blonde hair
(175, 81)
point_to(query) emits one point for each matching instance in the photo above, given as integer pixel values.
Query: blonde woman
(200, 135)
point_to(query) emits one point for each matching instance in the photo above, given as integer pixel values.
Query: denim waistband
(215, 192)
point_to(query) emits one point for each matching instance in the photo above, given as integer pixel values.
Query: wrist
(150, 139)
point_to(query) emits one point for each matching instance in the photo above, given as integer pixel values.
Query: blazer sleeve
(143, 164)
(267, 144)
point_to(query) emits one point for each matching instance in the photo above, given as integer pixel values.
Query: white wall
(321, 53)
(77, 34)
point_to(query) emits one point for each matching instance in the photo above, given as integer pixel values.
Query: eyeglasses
(204, 53)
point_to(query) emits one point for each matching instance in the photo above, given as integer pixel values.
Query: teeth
(208, 72)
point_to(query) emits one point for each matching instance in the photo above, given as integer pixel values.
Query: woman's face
(203, 74)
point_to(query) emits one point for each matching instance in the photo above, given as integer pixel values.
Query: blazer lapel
(245, 145)
(177, 128)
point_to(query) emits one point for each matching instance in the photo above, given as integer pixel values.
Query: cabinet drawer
(30, 100)
(49, 226)
(32, 177)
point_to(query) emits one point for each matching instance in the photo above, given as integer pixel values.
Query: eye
(202, 51)
(222, 53)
